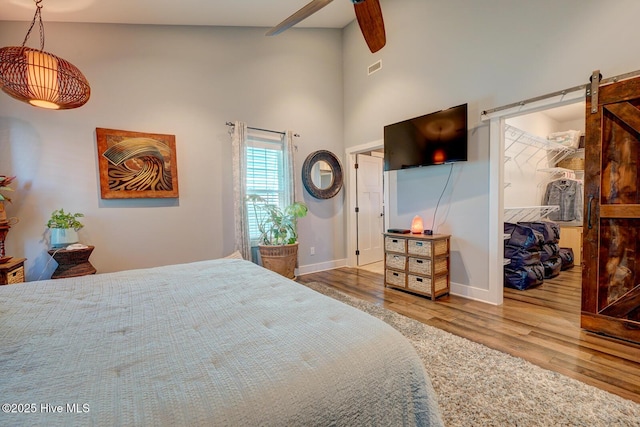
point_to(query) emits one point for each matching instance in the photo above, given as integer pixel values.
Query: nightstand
(12, 271)
(72, 263)
(417, 263)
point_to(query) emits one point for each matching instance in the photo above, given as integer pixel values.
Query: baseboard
(469, 292)
(313, 268)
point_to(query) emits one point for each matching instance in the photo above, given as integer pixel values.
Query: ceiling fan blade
(303, 13)
(369, 16)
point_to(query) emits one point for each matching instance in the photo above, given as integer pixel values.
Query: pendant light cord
(36, 16)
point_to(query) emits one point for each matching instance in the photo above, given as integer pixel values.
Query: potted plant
(278, 241)
(64, 228)
(5, 181)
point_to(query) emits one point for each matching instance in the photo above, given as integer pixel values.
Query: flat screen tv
(432, 139)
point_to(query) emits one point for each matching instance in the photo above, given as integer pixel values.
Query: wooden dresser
(417, 263)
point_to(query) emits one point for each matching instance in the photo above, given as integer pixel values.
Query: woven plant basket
(281, 259)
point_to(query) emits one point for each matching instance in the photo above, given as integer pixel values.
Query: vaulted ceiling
(243, 13)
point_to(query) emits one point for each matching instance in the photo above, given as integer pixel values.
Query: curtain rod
(263, 130)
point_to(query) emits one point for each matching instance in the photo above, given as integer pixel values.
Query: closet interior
(543, 195)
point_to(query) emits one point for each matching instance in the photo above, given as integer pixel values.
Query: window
(266, 174)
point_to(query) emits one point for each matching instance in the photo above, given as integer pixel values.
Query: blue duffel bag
(522, 236)
(524, 277)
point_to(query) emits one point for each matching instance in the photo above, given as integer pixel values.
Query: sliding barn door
(611, 275)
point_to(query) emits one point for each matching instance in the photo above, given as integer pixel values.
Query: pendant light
(41, 78)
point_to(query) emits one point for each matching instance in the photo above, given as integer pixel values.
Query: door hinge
(357, 210)
(357, 253)
(356, 166)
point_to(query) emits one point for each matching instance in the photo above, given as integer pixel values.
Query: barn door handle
(591, 198)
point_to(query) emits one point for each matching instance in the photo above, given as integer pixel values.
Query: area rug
(479, 386)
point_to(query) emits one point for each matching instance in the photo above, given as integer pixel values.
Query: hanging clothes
(566, 193)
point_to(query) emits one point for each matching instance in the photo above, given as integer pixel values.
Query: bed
(220, 342)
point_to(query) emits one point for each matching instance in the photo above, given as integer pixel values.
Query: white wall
(186, 81)
(526, 184)
(487, 54)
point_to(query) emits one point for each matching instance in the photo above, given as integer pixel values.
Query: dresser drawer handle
(394, 240)
(418, 243)
(419, 279)
(395, 274)
(419, 261)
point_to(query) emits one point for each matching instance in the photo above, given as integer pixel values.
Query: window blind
(265, 175)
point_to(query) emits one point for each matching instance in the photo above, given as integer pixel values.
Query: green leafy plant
(277, 226)
(5, 182)
(61, 219)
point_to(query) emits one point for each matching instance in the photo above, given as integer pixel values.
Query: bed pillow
(235, 255)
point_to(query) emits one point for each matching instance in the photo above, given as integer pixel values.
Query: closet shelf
(528, 213)
(556, 152)
(559, 173)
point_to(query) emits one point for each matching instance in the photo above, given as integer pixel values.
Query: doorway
(369, 208)
(544, 152)
(367, 201)
(496, 120)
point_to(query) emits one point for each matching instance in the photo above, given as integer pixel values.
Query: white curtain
(289, 166)
(238, 142)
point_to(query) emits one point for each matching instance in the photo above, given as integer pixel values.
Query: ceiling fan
(368, 13)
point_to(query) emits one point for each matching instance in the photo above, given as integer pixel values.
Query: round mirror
(322, 174)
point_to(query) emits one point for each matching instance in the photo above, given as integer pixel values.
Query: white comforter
(220, 342)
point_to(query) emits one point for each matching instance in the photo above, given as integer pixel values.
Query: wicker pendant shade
(40, 78)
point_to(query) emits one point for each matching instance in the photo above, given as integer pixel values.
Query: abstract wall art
(136, 164)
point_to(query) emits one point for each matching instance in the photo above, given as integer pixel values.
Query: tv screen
(432, 139)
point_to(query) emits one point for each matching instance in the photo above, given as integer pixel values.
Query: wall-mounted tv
(432, 139)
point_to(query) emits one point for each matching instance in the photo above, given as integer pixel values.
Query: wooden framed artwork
(136, 164)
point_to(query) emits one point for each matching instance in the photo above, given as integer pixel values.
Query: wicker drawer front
(16, 276)
(396, 261)
(423, 266)
(420, 247)
(393, 244)
(427, 248)
(420, 266)
(423, 284)
(396, 278)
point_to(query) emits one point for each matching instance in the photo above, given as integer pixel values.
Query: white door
(370, 213)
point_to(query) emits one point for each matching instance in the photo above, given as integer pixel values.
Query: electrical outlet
(312, 250)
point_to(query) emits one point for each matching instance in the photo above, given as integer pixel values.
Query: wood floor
(541, 325)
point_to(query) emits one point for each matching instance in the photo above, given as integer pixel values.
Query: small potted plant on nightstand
(64, 228)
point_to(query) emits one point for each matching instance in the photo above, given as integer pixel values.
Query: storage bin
(423, 284)
(427, 248)
(573, 163)
(16, 276)
(423, 266)
(396, 261)
(395, 244)
(396, 278)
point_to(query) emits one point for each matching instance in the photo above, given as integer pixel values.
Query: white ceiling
(242, 13)
(567, 112)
